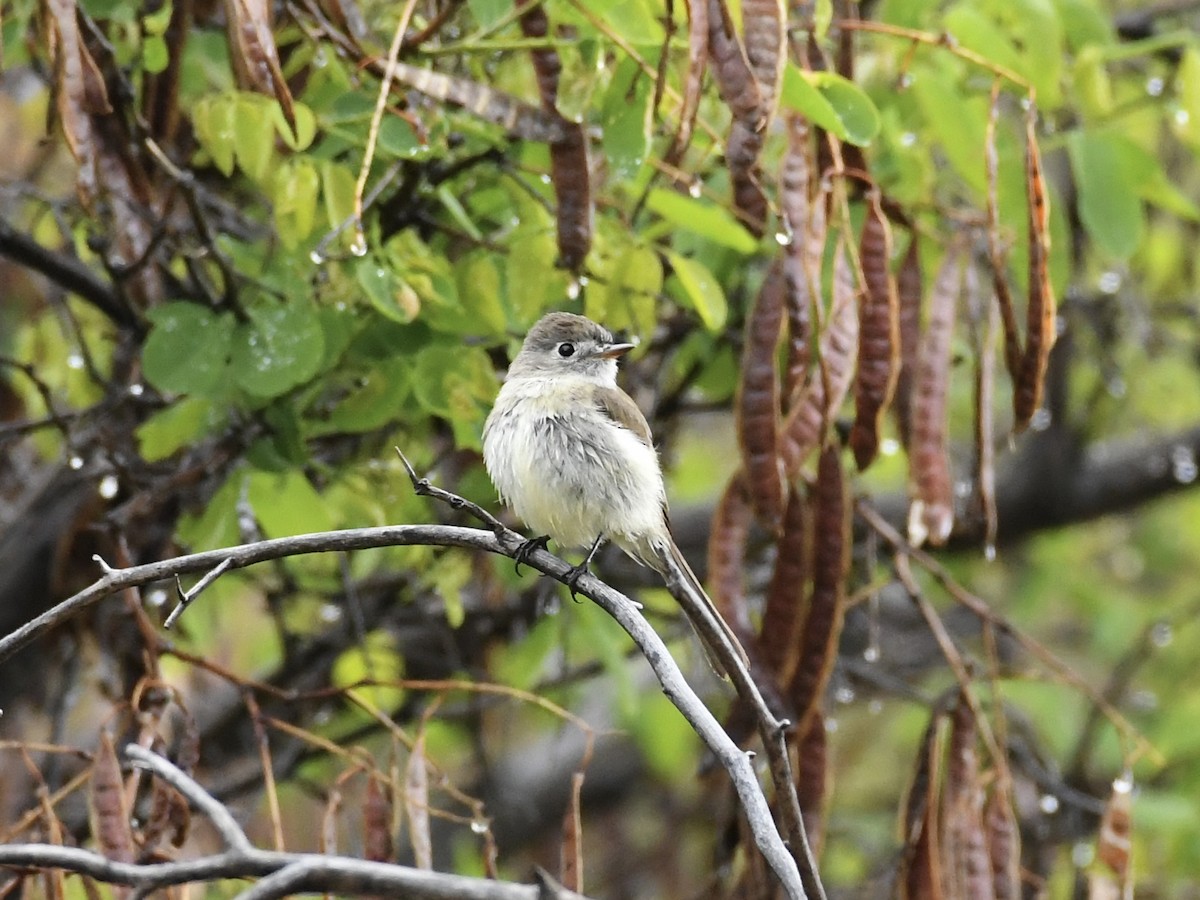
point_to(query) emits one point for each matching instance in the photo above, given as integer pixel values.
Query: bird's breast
(568, 470)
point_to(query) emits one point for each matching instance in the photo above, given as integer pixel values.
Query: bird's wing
(618, 406)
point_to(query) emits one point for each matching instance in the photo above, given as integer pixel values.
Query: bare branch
(500, 541)
(217, 813)
(339, 874)
(186, 597)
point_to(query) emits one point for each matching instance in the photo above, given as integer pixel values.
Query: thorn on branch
(104, 566)
(186, 597)
(423, 487)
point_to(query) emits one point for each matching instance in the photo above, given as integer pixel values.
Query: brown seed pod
(878, 335)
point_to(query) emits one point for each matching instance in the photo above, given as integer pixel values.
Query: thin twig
(986, 614)
(186, 597)
(385, 89)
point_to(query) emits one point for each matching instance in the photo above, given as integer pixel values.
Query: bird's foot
(527, 547)
(571, 579)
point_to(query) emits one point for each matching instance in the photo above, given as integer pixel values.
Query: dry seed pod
(931, 511)
(878, 335)
(823, 623)
(909, 291)
(692, 81)
(1004, 842)
(826, 388)
(966, 864)
(1040, 329)
(802, 262)
(757, 404)
(727, 554)
(765, 38)
(1012, 340)
(778, 639)
(109, 810)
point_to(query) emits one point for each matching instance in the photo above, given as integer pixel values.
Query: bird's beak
(612, 351)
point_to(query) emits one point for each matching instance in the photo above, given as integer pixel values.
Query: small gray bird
(572, 455)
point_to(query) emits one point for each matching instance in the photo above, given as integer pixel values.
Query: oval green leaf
(187, 351)
(799, 94)
(850, 104)
(279, 348)
(1109, 204)
(702, 218)
(700, 290)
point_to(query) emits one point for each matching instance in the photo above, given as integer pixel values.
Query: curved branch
(231, 833)
(500, 541)
(321, 873)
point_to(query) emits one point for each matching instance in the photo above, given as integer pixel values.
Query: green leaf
(521, 663)
(1093, 88)
(1108, 193)
(625, 121)
(1037, 29)
(458, 384)
(958, 124)
(254, 136)
(377, 397)
(973, 29)
(458, 212)
(489, 12)
(634, 20)
(831, 102)
(215, 119)
(154, 54)
(629, 279)
(453, 572)
(337, 190)
(1154, 185)
(306, 125)
(1087, 24)
(377, 658)
(668, 744)
(397, 139)
(188, 349)
(700, 290)
(822, 18)
(279, 348)
(850, 103)
(176, 426)
(294, 191)
(703, 218)
(441, 370)
(388, 293)
(1187, 89)
(801, 95)
(479, 285)
(157, 21)
(285, 503)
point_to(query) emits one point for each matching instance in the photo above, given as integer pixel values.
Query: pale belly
(574, 474)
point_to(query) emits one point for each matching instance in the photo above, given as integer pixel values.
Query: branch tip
(412, 473)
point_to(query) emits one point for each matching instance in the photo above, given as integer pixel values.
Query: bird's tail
(720, 641)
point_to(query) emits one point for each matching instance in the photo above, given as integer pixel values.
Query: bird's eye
(565, 349)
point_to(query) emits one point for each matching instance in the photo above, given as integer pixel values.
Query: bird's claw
(571, 579)
(527, 547)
